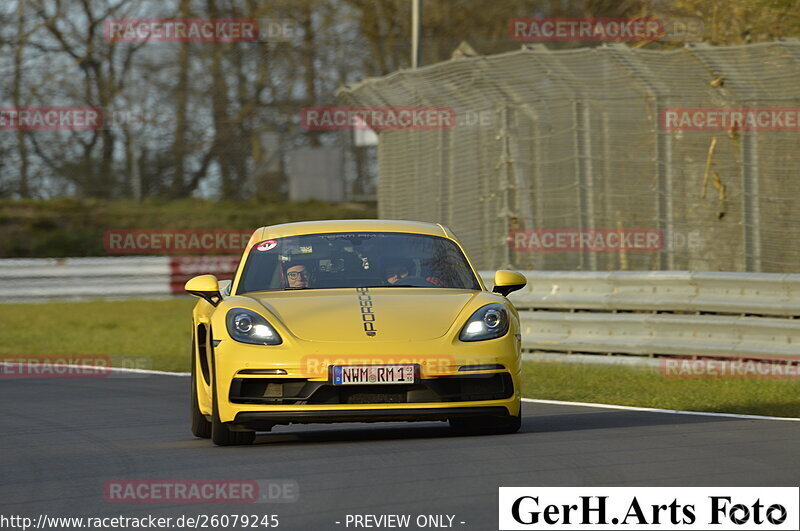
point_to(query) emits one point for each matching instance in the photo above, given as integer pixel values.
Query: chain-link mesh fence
(548, 140)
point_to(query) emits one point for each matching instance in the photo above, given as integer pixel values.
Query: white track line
(147, 371)
(655, 410)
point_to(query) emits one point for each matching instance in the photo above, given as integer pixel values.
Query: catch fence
(594, 145)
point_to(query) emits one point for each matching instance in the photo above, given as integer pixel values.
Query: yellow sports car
(353, 321)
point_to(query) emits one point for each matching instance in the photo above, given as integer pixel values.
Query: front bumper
(303, 393)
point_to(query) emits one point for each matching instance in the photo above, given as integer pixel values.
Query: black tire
(201, 427)
(221, 435)
(487, 425)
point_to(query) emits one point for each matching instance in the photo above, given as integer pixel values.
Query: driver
(298, 276)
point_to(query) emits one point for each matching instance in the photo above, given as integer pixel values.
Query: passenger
(396, 272)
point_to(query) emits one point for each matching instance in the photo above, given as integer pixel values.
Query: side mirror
(507, 281)
(206, 287)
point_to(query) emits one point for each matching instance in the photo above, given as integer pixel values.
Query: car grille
(297, 391)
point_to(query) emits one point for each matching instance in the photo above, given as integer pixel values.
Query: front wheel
(487, 425)
(201, 427)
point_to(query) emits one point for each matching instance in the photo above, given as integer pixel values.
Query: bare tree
(219, 118)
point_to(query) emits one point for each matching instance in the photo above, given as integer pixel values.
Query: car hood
(367, 314)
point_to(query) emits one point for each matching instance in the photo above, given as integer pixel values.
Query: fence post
(750, 201)
(583, 163)
(508, 186)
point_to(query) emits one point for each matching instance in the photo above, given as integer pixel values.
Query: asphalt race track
(62, 439)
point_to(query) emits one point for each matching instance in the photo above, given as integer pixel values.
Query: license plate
(373, 374)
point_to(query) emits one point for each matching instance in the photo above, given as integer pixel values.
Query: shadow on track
(611, 419)
(293, 434)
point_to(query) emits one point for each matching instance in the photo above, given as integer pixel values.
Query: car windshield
(355, 260)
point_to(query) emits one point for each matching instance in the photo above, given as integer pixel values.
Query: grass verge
(647, 387)
(159, 332)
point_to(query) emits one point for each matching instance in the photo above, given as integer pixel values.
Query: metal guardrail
(68, 278)
(764, 327)
(664, 334)
(83, 278)
(674, 291)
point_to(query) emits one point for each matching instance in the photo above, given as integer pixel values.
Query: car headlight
(488, 322)
(247, 326)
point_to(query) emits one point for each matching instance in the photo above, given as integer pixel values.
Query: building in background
(316, 173)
